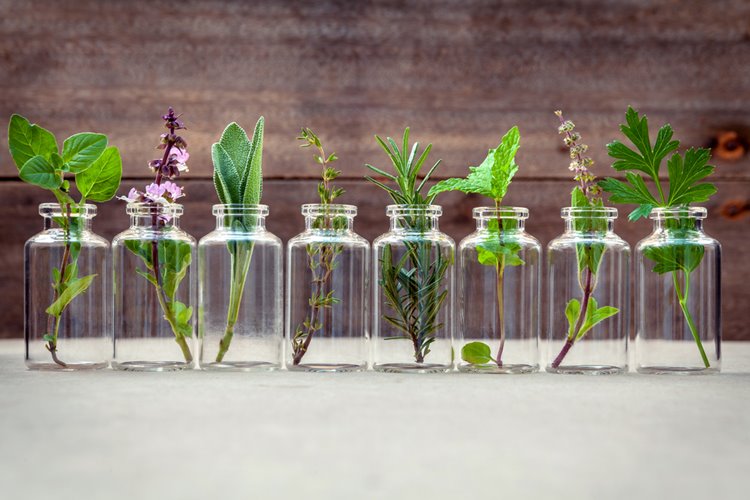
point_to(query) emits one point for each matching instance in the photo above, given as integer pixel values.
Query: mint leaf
(81, 150)
(493, 176)
(26, 141)
(476, 353)
(683, 175)
(101, 180)
(492, 252)
(40, 172)
(74, 289)
(680, 257)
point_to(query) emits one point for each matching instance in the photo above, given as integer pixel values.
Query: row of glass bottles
(497, 300)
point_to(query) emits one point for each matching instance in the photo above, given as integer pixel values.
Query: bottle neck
(155, 222)
(329, 223)
(589, 225)
(73, 218)
(414, 223)
(73, 224)
(502, 223)
(240, 218)
(678, 224)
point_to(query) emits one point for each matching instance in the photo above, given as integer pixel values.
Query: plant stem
(587, 292)
(683, 299)
(500, 270)
(241, 258)
(52, 345)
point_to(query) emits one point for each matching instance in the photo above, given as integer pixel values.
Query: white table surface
(113, 435)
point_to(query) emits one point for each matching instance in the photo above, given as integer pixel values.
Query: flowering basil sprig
(166, 260)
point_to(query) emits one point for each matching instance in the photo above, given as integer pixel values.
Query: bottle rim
(516, 213)
(237, 209)
(328, 209)
(141, 209)
(662, 213)
(412, 210)
(87, 211)
(609, 213)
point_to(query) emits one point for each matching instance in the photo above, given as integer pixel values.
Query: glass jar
(499, 282)
(678, 305)
(588, 279)
(413, 299)
(153, 290)
(67, 292)
(240, 292)
(327, 285)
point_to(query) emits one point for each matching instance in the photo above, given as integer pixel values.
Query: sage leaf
(40, 172)
(476, 353)
(252, 177)
(81, 150)
(101, 180)
(74, 289)
(226, 171)
(26, 141)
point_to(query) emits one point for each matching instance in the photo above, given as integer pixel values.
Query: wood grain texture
(459, 72)
(544, 198)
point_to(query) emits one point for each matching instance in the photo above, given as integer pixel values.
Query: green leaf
(492, 252)
(74, 289)
(174, 260)
(594, 316)
(676, 257)
(493, 176)
(252, 177)
(572, 310)
(235, 143)
(81, 150)
(101, 181)
(40, 172)
(182, 315)
(48, 338)
(476, 353)
(147, 275)
(642, 211)
(683, 176)
(227, 174)
(26, 141)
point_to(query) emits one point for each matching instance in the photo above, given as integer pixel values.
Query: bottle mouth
(661, 213)
(486, 213)
(609, 213)
(86, 211)
(328, 209)
(238, 209)
(414, 210)
(149, 209)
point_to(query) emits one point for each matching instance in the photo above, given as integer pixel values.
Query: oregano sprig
(86, 163)
(238, 178)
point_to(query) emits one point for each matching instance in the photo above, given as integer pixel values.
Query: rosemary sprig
(412, 284)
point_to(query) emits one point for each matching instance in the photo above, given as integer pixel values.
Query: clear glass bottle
(413, 299)
(588, 269)
(327, 292)
(240, 317)
(499, 282)
(154, 291)
(67, 292)
(678, 304)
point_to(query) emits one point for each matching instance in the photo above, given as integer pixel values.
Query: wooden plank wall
(459, 72)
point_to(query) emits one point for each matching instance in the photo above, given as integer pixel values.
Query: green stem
(500, 270)
(683, 299)
(179, 338)
(241, 258)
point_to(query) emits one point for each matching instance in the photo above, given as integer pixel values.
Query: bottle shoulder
(347, 238)
(403, 237)
(221, 237)
(610, 240)
(57, 236)
(522, 238)
(147, 234)
(672, 238)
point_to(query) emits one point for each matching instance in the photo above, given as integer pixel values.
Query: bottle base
(411, 368)
(239, 366)
(677, 370)
(587, 369)
(69, 367)
(491, 368)
(326, 367)
(152, 366)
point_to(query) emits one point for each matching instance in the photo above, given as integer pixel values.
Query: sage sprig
(321, 256)
(491, 179)
(413, 283)
(238, 178)
(89, 165)
(684, 186)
